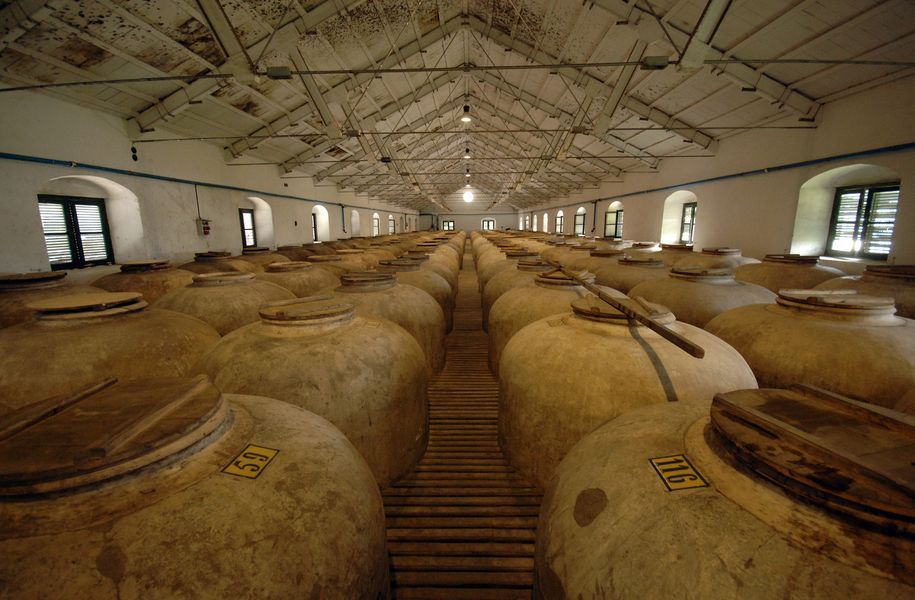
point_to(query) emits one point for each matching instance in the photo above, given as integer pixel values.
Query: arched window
(392, 225)
(320, 224)
(376, 225)
(355, 226)
(613, 220)
(535, 223)
(527, 223)
(546, 222)
(488, 224)
(678, 224)
(848, 211)
(560, 217)
(255, 218)
(89, 220)
(580, 215)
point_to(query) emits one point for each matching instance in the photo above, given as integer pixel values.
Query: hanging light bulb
(467, 174)
(466, 152)
(468, 196)
(466, 117)
(467, 184)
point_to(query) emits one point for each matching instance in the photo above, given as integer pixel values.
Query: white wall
(38, 126)
(757, 212)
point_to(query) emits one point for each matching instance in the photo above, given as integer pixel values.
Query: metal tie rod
(662, 330)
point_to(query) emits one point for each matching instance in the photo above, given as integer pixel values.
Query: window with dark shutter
(75, 231)
(613, 224)
(447, 225)
(862, 221)
(248, 234)
(579, 224)
(376, 226)
(559, 220)
(392, 228)
(489, 224)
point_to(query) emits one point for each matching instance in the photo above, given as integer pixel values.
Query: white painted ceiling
(536, 134)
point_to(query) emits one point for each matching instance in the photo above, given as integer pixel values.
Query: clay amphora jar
(787, 271)
(334, 264)
(743, 510)
(77, 340)
(630, 271)
(365, 375)
(564, 375)
(261, 257)
(295, 253)
(841, 341)
(152, 278)
(715, 258)
(18, 290)
(408, 272)
(523, 275)
(696, 296)
(302, 278)
(378, 295)
(224, 300)
(218, 262)
(894, 281)
(148, 489)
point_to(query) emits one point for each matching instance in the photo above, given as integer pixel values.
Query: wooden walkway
(462, 524)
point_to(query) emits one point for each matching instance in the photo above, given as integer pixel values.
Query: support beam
(699, 43)
(20, 17)
(742, 74)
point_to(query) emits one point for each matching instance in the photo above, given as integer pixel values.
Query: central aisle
(462, 524)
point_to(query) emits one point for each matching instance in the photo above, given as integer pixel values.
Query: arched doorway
(320, 224)
(355, 225)
(678, 221)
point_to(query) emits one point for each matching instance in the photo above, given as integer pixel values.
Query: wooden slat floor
(462, 524)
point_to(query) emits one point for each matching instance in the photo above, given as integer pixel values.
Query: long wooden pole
(662, 330)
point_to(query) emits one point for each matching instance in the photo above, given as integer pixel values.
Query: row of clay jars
(696, 296)
(408, 272)
(151, 278)
(573, 370)
(163, 516)
(494, 263)
(736, 535)
(787, 271)
(437, 264)
(74, 341)
(365, 374)
(218, 262)
(838, 340)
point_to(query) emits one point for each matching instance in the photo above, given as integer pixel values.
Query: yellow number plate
(677, 472)
(251, 462)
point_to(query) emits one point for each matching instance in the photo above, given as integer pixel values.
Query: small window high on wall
(862, 221)
(489, 224)
(248, 235)
(613, 223)
(447, 225)
(76, 232)
(688, 222)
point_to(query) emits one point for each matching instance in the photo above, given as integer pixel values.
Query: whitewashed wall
(162, 224)
(757, 212)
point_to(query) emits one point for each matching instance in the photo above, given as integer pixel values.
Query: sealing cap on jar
(18, 281)
(400, 264)
(367, 278)
(702, 273)
(349, 251)
(791, 259)
(519, 252)
(211, 255)
(644, 244)
(836, 299)
(849, 458)
(900, 271)
(594, 308)
(223, 278)
(314, 308)
(324, 258)
(584, 247)
(140, 266)
(104, 431)
(605, 252)
(560, 279)
(678, 247)
(722, 251)
(288, 266)
(640, 261)
(255, 250)
(79, 306)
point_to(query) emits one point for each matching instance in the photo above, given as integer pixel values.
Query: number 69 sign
(251, 462)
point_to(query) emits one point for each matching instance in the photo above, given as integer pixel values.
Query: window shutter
(846, 228)
(881, 220)
(91, 232)
(54, 224)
